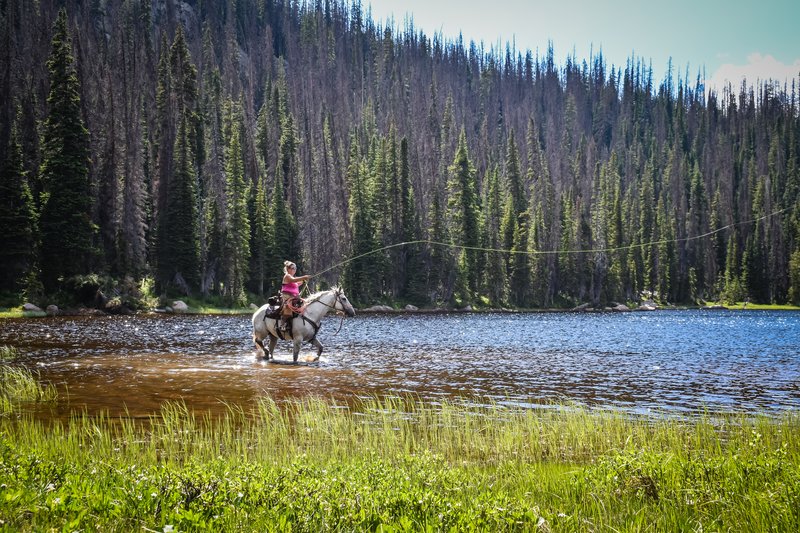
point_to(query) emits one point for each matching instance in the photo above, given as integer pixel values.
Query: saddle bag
(274, 307)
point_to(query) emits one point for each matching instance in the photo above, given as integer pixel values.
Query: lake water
(678, 361)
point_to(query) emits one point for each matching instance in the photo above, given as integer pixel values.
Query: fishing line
(548, 252)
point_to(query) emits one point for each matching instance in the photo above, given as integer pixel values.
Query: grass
(400, 465)
(762, 307)
(17, 312)
(18, 385)
(8, 353)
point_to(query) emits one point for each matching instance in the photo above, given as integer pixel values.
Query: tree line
(200, 144)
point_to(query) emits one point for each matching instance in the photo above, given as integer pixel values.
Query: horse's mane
(317, 295)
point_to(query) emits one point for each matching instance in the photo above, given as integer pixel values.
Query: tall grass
(19, 385)
(8, 353)
(401, 464)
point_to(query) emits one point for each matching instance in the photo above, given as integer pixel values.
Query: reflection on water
(677, 360)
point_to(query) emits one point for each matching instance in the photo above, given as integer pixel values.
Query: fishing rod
(547, 252)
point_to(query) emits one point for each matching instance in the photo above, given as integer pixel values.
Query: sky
(718, 40)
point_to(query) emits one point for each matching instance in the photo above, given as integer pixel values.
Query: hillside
(202, 143)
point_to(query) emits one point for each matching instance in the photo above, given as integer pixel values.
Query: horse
(304, 326)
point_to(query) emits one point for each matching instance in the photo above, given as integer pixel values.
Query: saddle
(275, 311)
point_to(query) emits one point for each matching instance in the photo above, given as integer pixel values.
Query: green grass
(762, 307)
(17, 312)
(8, 353)
(400, 465)
(18, 385)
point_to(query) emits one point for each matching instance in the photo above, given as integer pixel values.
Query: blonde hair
(287, 265)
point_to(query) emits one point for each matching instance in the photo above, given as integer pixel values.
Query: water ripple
(674, 360)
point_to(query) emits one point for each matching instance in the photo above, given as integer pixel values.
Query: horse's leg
(260, 344)
(319, 346)
(272, 341)
(298, 341)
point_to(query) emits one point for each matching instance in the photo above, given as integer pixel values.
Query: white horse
(305, 326)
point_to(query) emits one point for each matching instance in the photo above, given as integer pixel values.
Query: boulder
(412, 308)
(52, 310)
(29, 307)
(378, 309)
(620, 308)
(582, 307)
(179, 306)
(253, 307)
(646, 307)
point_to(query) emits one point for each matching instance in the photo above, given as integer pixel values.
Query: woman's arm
(287, 278)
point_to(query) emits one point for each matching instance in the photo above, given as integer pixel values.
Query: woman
(289, 290)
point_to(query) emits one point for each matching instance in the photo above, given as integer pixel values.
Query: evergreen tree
(179, 245)
(237, 238)
(496, 281)
(520, 291)
(441, 271)
(18, 219)
(68, 233)
(261, 241)
(360, 273)
(284, 231)
(665, 263)
(696, 225)
(568, 244)
(794, 278)
(464, 216)
(733, 291)
(178, 237)
(516, 202)
(754, 261)
(411, 266)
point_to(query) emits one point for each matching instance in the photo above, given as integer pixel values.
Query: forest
(193, 146)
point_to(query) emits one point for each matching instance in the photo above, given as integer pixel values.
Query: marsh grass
(19, 385)
(8, 353)
(401, 464)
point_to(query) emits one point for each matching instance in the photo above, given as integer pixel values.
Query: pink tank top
(290, 288)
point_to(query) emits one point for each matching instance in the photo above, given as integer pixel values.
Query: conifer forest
(199, 144)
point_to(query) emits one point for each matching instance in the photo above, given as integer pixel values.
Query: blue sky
(727, 40)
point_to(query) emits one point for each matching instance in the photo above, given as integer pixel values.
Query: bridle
(337, 300)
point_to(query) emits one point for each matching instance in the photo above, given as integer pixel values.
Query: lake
(676, 361)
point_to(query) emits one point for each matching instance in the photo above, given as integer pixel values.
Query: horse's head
(341, 303)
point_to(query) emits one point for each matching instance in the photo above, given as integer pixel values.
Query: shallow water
(682, 361)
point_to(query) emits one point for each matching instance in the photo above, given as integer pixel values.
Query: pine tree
(520, 291)
(794, 278)
(733, 291)
(68, 233)
(284, 231)
(18, 219)
(516, 200)
(496, 281)
(360, 273)
(261, 241)
(568, 244)
(179, 259)
(754, 261)
(178, 236)
(413, 288)
(464, 216)
(237, 235)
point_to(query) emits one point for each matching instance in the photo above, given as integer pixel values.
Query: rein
(316, 326)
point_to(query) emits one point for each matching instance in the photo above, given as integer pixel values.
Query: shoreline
(15, 313)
